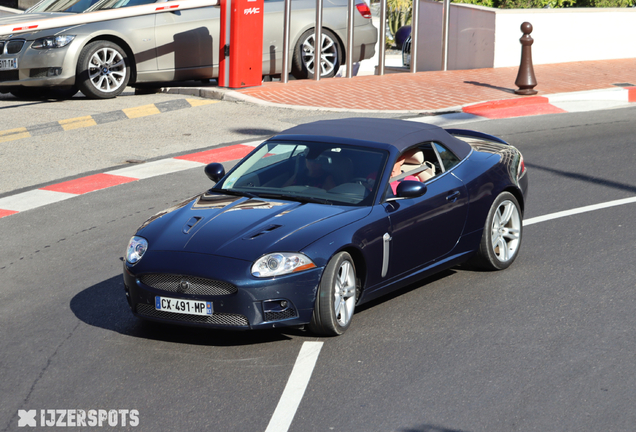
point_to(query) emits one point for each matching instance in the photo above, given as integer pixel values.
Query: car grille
(11, 47)
(187, 284)
(9, 75)
(221, 319)
(277, 316)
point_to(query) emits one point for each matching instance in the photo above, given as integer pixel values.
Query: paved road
(546, 345)
(45, 141)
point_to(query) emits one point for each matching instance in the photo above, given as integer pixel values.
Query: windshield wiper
(298, 198)
(236, 193)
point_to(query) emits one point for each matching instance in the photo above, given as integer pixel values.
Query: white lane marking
(444, 120)
(295, 388)
(585, 209)
(156, 168)
(33, 199)
(299, 379)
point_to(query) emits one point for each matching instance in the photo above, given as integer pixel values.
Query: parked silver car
(102, 58)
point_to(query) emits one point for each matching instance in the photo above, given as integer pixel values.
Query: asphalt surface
(544, 345)
(110, 133)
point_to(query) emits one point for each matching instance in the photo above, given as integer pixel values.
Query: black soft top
(375, 132)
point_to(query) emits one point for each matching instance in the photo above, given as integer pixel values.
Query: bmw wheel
(501, 239)
(102, 70)
(337, 296)
(304, 60)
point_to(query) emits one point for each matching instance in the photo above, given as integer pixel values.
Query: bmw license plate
(181, 306)
(8, 64)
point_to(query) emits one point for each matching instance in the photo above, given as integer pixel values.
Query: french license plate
(190, 307)
(8, 64)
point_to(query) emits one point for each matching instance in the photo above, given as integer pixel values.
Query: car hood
(243, 228)
(23, 18)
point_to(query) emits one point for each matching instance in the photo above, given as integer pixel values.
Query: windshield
(308, 172)
(116, 4)
(71, 6)
(79, 6)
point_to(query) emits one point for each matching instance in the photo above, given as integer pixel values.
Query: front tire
(337, 296)
(304, 60)
(102, 70)
(502, 235)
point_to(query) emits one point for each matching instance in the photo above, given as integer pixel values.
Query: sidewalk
(434, 92)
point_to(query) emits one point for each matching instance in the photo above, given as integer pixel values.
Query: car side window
(446, 157)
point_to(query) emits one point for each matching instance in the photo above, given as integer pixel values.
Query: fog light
(56, 71)
(278, 310)
(276, 305)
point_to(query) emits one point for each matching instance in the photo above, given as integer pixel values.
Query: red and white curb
(553, 104)
(590, 100)
(519, 107)
(62, 191)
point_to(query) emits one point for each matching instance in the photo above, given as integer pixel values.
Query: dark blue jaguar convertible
(326, 216)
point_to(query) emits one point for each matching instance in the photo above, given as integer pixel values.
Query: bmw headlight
(53, 42)
(137, 247)
(281, 263)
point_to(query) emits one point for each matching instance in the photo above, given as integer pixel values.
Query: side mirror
(411, 189)
(215, 171)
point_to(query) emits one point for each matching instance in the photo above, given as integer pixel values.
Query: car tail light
(363, 8)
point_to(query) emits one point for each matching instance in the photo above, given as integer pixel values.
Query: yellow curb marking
(141, 111)
(14, 134)
(76, 123)
(200, 102)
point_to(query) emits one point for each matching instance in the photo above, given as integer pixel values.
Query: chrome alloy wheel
(506, 231)
(328, 54)
(107, 70)
(344, 293)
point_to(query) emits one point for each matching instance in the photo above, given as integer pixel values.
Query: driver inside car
(313, 175)
(397, 170)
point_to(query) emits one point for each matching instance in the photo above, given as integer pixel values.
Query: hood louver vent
(265, 231)
(191, 223)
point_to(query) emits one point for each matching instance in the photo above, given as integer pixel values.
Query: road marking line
(579, 210)
(32, 199)
(200, 102)
(96, 119)
(295, 388)
(77, 123)
(14, 134)
(89, 184)
(153, 169)
(4, 213)
(141, 111)
(219, 154)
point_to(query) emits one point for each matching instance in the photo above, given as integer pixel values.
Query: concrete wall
(481, 37)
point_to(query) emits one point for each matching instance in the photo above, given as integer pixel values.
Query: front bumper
(39, 68)
(240, 301)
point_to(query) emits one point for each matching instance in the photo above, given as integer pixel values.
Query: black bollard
(525, 78)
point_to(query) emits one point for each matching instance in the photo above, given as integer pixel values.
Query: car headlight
(137, 247)
(53, 42)
(281, 263)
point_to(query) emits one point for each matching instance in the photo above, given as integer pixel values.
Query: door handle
(453, 197)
